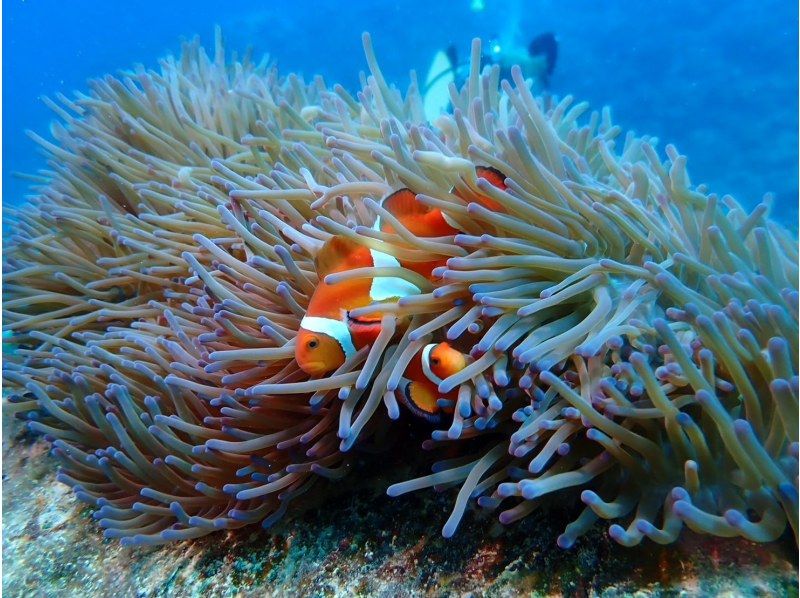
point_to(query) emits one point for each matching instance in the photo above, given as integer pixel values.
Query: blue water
(716, 78)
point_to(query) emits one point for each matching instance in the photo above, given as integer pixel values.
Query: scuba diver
(537, 62)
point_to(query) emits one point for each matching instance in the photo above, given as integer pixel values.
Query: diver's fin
(436, 97)
(545, 45)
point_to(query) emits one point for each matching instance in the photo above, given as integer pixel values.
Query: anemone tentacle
(632, 338)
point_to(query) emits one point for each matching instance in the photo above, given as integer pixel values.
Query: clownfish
(425, 221)
(497, 179)
(328, 335)
(420, 391)
(420, 220)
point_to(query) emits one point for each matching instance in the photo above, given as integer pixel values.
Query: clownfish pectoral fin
(340, 253)
(364, 331)
(421, 400)
(365, 324)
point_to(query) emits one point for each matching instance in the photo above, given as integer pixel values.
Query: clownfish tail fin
(409, 394)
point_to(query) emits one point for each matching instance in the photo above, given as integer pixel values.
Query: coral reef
(632, 339)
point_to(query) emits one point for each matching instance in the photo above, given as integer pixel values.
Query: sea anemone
(632, 340)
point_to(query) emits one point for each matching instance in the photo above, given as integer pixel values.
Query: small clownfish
(422, 377)
(497, 179)
(328, 335)
(421, 220)
(425, 221)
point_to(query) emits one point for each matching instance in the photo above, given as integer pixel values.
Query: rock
(364, 543)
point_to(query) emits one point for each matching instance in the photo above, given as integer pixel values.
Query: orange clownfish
(496, 178)
(420, 392)
(328, 335)
(421, 220)
(425, 221)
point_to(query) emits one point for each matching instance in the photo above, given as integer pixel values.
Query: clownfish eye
(434, 361)
(313, 343)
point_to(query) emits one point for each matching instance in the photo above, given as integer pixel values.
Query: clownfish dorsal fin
(403, 203)
(339, 253)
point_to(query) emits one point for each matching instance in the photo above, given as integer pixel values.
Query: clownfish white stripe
(335, 329)
(426, 364)
(388, 287)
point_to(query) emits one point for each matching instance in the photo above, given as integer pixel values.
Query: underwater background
(716, 78)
